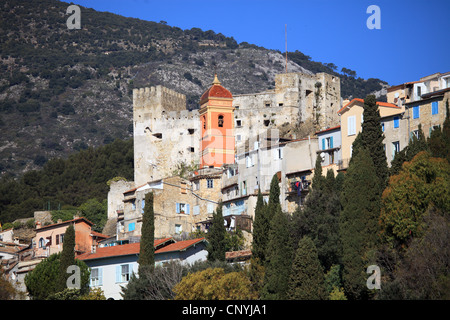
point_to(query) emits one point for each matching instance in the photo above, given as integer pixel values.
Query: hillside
(65, 90)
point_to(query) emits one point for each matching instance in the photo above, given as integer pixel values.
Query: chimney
(38, 225)
(59, 221)
(94, 248)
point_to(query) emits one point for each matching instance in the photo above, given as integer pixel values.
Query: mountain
(64, 90)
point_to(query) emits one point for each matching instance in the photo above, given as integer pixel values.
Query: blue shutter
(416, 112)
(100, 276)
(178, 207)
(396, 122)
(323, 144)
(434, 107)
(331, 142)
(187, 208)
(118, 274)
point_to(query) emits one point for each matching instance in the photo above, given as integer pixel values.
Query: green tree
(67, 257)
(147, 249)
(261, 227)
(214, 284)
(358, 224)
(274, 198)
(422, 182)
(96, 212)
(278, 258)
(216, 236)
(372, 139)
(42, 281)
(307, 278)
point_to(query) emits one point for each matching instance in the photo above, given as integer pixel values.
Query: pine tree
(372, 139)
(216, 237)
(147, 248)
(67, 257)
(261, 229)
(279, 258)
(307, 278)
(358, 225)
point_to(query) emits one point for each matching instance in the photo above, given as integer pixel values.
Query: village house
(49, 239)
(111, 267)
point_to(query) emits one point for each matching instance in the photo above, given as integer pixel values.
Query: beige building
(351, 123)
(180, 204)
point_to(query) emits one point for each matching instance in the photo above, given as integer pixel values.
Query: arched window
(220, 122)
(204, 122)
(41, 243)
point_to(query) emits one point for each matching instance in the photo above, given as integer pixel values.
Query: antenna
(285, 41)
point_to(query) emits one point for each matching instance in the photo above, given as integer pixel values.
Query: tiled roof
(180, 245)
(216, 91)
(99, 235)
(379, 103)
(242, 254)
(65, 222)
(329, 129)
(134, 248)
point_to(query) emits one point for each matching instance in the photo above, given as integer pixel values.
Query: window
(142, 205)
(196, 210)
(416, 112)
(57, 239)
(382, 126)
(204, 122)
(238, 123)
(133, 205)
(131, 226)
(416, 133)
(396, 122)
(41, 243)
(191, 131)
(182, 208)
(210, 183)
(210, 208)
(244, 188)
(327, 143)
(395, 148)
(220, 121)
(123, 273)
(178, 228)
(419, 91)
(248, 161)
(238, 137)
(96, 278)
(351, 125)
(434, 107)
(61, 238)
(196, 185)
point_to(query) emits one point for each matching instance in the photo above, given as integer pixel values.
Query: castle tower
(217, 126)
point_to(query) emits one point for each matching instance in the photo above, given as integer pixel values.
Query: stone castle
(166, 134)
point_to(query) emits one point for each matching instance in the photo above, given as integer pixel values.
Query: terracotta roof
(134, 248)
(238, 254)
(329, 129)
(379, 103)
(65, 222)
(180, 245)
(216, 91)
(99, 235)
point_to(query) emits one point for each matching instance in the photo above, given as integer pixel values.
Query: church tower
(217, 126)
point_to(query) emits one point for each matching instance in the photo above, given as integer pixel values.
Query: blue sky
(413, 42)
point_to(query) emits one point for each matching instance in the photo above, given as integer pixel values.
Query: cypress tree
(216, 237)
(358, 224)
(307, 280)
(372, 139)
(318, 179)
(278, 258)
(261, 229)
(147, 248)
(274, 198)
(67, 257)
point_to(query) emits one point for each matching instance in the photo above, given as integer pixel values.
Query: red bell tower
(217, 126)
